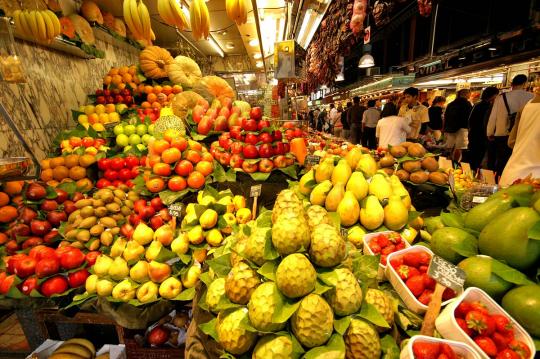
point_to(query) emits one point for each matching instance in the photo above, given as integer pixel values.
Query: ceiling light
(257, 56)
(230, 45)
(216, 47)
(366, 61)
(492, 48)
(259, 64)
(461, 58)
(253, 42)
(309, 26)
(224, 33)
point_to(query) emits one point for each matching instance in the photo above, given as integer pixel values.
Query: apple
(265, 137)
(236, 132)
(225, 112)
(35, 192)
(32, 242)
(225, 159)
(29, 285)
(220, 123)
(72, 259)
(236, 147)
(255, 113)
(266, 165)
(164, 214)
(78, 278)
(197, 113)
(12, 246)
(21, 230)
(236, 109)
(158, 335)
(279, 148)
(69, 207)
(54, 285)
(101, 100)
(249, 167)
(158, 272)
(157, 203)
(280, 161)
(249, 125)
(211, 113)
(41, 252)
(250, 151)
(139, 205)
(7, 283)
(61, 195)
(11, 262)
(252, 139)
(25, 267)
(147, 292)
(164, 234)
(148, 212)
(290, 160)
(225, 141)
(48, 205)
(236, 160)
(27, 215)
(51, 237)
(263, 124)
(109, 99)
(91, 257)
(205, 125)
(55, 218)
(298, 133)
(156, 222)
(40, 228)
(233, 120)
(265, 150)
(170, 288)
(287, 147)
(47, 267)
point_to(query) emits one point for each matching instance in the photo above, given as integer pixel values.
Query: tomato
(183, 168)
(117, 163)
(171, 155)
(193, 156)
(195, 180)
(180, 143)
(131, 161)
(111, 175)
(162, 169)
(204, 167)
(155, 184)
(177, 183)
(104, 163)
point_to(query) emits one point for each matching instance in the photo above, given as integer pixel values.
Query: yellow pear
(341, 173)
(119, 269)
(355, 235)
(308, 179)
(147, 292)
(90, 284)
(243, 215)
(319, 193)
(102, 265)
(400, 190)
(371, 213)
(104, 287)
(395, 214)
(239, 202)
(124, 291)
(228, 203)
(358, 185)
(214, 237)
(134, 250)
(334, 197)
(208, 219)
(367, 165)
(380, 187)
(190, 208)
(164, 234)
(191, 277)
(143, 234)
(139, 272)
(348, 209)
(353, 156)
(230, 219)
(153, 250)
(196, 235)
(180, 245)
(170, 288)
(323, 171)
(190, 219)
(118, 247)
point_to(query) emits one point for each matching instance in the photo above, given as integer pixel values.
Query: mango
(448, 241)
(478, 217)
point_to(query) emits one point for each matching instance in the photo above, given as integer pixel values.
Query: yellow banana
(17, 21)
(205, 18)
(127, 16)
(48, 25)
(25, 26)
(144, 15)
(55, 22)
(32, 21)
(164, 11)
(241, 16)
(137, 22)
(152, 35)
(195, 19)
(180, 18)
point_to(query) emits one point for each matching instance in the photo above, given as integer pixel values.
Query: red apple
(29, 285)
(109, 99)
(164, 214)
(298, 133)
(124, 174)
(40, 228)
(263, 124)
(249, 167)
(139, 205)
(225, 159)
(277, 135)
(25, 267)
(265, 150)
(197, 113)
(266, 165)
(236, 109)
(249, 125)
(156, 222)
(205, 125)
(78, 278)
(255, 113)
(91, 257)
(54, 285)
(32, 242)
(236, 160)
(51, 237)
(118, 163)
(220, 123)
(265, 137)
(7, 283)
(56, 217)
(127, 230)
(225, 141)
(19, 229)
(61, 195)
(289, 134)
(41, 252)
(225, 112)
(250, 151)
(148, 212)
(252, 139)
(11, 262)
(157, 203)
(27, 215)
(236, 132)
(287, 147)
(47, 267)
(49, 205)
(72, 258)
(101, 100)
(35, 192)
(236, 147)
(279, 148)
(69, 207)
(134, 219)
(280, 161)
(158, 336)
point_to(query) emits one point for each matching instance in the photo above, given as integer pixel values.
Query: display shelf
(103, 35)
(59, 44)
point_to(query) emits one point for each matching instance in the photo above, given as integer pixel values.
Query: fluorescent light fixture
(436, 82)
(253, 42)
(257, 56)
(461, 58)
(310, 24)
(491, 48)
(185, 10)
(230, 45)
(281, 29)
(259, 64)
(366, 61)
(215, 45)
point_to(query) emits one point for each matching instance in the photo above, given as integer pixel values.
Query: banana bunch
(171, 12)
(236, 11)
(137, 19)
(200, 19)
(42, 26)
(74, 348)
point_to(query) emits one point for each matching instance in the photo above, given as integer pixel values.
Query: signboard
(255, 191)
(446, 273)
(176, 209)
(311, 160)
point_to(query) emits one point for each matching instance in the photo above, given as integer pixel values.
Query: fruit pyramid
(288, 285)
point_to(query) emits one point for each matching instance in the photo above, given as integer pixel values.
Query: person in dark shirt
(354, 118)
(345, 122)
(435, 116)
(456, 123)
(478, 119)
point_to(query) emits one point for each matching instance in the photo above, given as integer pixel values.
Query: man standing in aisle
(354, 117)
(345, 122)
(456, 123)
(414, 111)
(369, 123)
(501, 119)
(332, 117)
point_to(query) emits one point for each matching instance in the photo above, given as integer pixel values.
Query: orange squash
(154, 60)
(298, 149)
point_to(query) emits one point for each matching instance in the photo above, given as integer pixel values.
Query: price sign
(311, 160)
(479, 199)
(255, 191)
(110, 125)
(446, 273)
(344, 232)
(176, 209)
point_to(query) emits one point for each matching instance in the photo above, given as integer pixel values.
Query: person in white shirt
(414, 110)
(392, 129)
(499, 124)
(369, 122)
(332, 116)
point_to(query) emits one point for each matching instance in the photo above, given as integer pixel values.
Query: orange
(47, 175)
(157, 89)
(148, 89)
(3, 238)
(93, 118)
(151, 97)
(4, 199)
(179, 142)
(145, 104)
(195, 180)
(136, 79)
(71, 161)
(171, 155)
(57, 161)
(207, 156)
(14, 187)
(167, 89)
(161, 98)
(193, 156)
(107, 80)
(76, 173)
(160, 146)
(117, 79)
(152, 160)
(109, 108)
(140, 88)
(86, 160)
(8, 214)
(204, 167)
(156, 105)
(155, 185)
(84, 184)
(45, 163)
(170, 97)
(67, 179)
(132, 70)
(194, 145)
(113, 71)
(121, 86)
(176, 89)
(60, 172)
(162, 169)
(177, 183)
(123, 70)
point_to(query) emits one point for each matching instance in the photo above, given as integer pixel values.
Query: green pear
(153, 250)
(380, 187)
(334, 197)
(134, 250)
(118, 247)
(341, 173)
(139, 272)
(319, 193)
(396, 214)
(119, 269)
(400, 190)
(124, 291)
(143, 234)
(305, 181)
(367, 165)
(102, 265)
(323, 171)
(348, 209)
(371, 213)
(358, 185)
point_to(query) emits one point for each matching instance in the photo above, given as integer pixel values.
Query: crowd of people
(500, 132)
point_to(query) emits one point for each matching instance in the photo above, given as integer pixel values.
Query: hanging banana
(200, 19)
(171, 12)
(137, 19)
(42, 26)
(236, 11)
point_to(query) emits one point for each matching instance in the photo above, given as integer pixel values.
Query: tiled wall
(56, 83)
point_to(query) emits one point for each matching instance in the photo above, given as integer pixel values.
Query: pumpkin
(184, 71)
(183, 102)
(91, 12)
(83, 29)
(153, 61)
(212, 87)
(298, 149)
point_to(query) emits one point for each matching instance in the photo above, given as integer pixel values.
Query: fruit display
(133, 135)
(426, 348)
(69, 168)
(98, 116)
(200, 19)
(119, 170)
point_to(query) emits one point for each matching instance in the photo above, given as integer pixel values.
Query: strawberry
(382, 240)
(448, 351)
(400, 246)
(463, 325)
(383, 259)
(502, 323)
(403, 271)
(487, 345)
(500, 340)
(462, 309)
(425, 297)
(508, 354)
(396, 238)
(428, 281)
(482, 323)
(424, 258)
(443, 356)
(416, 285)
(424, 350)
(448, 294)
(396, 262)
(388, 249)
(412, 259)
(375, 248)
(520, 348)
(423, 269)
(479, 306)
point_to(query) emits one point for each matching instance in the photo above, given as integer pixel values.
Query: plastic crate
(367, 238)
(462, 350)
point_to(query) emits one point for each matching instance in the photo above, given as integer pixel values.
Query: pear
(102, 265)
(358, 185)
(353, 156)
(139, 272)
(348, 209)
(118, 247)
(319, 193)
(91, 283)
(380, 187)
(190, 208)
(371, 213)
(153, 250)
(104, 287)
(180, 245)
(341, 173)
(208, 219)
(323, 171)
(164, 234)
(400, 190)
(123, 291)
(147, 292)
(214, 237)
(239, 202)
(367, 165)
(190, 219)
(227, 201)
(308, 179)
(334, 197)
(143, 234)
(119, 269)
(396, 214)
(355, 235)
(133, 251)
(196, 235)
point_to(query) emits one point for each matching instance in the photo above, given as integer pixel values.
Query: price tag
(311, 160)
(466, 168)
(479, 199)
(488, 176)
(255, 191)
(176, 209)
(344, 232)
(110, 125)
(446, 273)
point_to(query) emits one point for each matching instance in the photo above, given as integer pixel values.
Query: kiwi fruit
(402, 175)
(411, 166)
(438, 178)
(416, 150)
(398, 151)
(430, 164)
(419, 177)
(387, 161)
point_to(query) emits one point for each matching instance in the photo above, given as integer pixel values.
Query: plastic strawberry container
(401, 288)
(462, 350)
(367, 238)
(447, 325)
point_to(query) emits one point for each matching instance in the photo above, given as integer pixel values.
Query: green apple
(151, 129)
(142, 129)
(122, 140)
(123, 291)
(134, 139)
(147, 292)
(129, 129)
(118, 130)
(104, 287)
(170, 288)
(146, 138)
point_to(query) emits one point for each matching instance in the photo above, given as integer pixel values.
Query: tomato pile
(116, 171)
(385, 243)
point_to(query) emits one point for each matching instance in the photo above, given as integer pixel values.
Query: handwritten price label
(176, 209)
(255, 191)
(446, 273)
(311, 160)
(344, 232)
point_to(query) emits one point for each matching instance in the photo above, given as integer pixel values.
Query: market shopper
(456, 124)
(369, 123)
(321, 120)
(502, 118)
(337, 124)
(354, 117)
(414, 111)
(435, 113)
(391, 129)
(478, 141)
(345, 121)
(332, 117)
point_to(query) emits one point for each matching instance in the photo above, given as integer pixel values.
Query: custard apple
(216, 290)
(232, 336)
(273, 347)
(295, 276)
(254, 248)
(346, 296)
(362, 341)
(262, 306)
(313, 321)
(383, 302)
(327, 248)
(317, 215)
(238, 249)
(240, 283)
(290, 233)
(287, 201)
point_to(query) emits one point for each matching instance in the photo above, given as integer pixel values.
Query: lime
(134, 139)
(141, 129)
(151, 129)
(146, 138)
(129, 130)
(122, 140)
